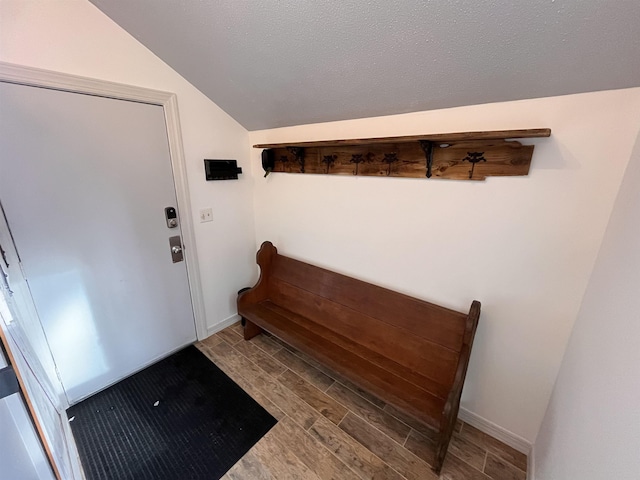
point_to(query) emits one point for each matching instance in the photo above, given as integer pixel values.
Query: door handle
(175, 246)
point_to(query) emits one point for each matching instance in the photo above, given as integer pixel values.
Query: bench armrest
(450, 411)
(260, 291)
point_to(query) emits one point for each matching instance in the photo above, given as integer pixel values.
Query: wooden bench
(408, 352)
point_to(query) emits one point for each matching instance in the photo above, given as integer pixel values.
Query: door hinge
(4, 256)
(5, 281)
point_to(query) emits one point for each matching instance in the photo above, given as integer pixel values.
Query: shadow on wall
(590, 428)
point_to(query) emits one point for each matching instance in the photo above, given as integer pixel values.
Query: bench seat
(375, 373)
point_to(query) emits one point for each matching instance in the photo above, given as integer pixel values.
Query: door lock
(171, 216)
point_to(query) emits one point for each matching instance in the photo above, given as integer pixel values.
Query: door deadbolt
(175, 245)
(172, 217)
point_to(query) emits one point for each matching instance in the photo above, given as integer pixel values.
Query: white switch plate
(206, 215)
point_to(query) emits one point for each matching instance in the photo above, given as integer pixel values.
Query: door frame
(36, 77)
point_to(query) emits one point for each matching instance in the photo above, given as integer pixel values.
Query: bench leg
(439, 459)
(250, 329)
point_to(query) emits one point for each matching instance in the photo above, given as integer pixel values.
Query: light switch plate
(206, 215)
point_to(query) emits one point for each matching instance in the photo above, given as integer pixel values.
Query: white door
(84, 182)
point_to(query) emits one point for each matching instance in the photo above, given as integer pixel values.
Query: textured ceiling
(271, 63)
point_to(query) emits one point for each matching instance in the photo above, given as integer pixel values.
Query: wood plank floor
(330, 429)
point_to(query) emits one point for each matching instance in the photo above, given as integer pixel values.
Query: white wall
(591, 429)
(73, 36)
(523, 246)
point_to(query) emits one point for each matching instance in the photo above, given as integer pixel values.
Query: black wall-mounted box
(221, 169)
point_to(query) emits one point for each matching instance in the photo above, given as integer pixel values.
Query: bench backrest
(421, 336)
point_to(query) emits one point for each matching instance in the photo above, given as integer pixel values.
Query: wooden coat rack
(458, 156)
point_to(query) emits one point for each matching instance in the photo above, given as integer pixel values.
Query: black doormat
(177, 419)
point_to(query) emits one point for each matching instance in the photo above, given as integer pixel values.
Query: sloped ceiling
(272, 63)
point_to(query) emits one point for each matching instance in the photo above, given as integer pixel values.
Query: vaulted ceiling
(272, 63)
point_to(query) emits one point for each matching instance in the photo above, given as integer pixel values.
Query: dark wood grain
(436, 363)
(394, 388)
(498, 469)
(319, 400)
(401, 460)
(408, 160)
(496, 447)
(258, 356)
(306, 371)
(351, 452)
(311, 452)
(425, 320)
(250, 329)
(410, 353)
(454, 156)
(377, 417)
(437, 137)
(450, 414)
(371, 358)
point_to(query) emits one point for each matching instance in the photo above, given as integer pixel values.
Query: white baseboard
(222, 325)
(496, 431)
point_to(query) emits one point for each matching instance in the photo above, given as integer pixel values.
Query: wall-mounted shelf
(463, 156)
